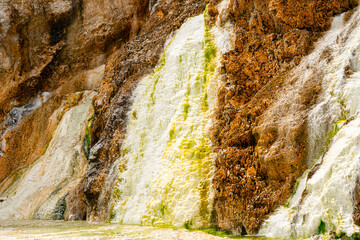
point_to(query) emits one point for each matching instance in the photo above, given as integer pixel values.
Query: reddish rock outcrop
(59, 46)
(76, 207)
(49, 46)
(261, 144)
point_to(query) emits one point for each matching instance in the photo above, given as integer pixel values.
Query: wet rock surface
(123, 71)
(261, 144)
(66, 46)
(356, 200)
(76, 207)
(49, 46)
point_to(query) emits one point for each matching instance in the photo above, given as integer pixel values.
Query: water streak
(323, 200)
(37, 193)
(166, 166)
(17, 113)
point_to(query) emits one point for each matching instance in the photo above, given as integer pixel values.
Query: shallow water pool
(40, 229)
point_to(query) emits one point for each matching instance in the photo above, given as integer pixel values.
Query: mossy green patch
(333, 131)
(335, 128)
(156, 75)
(210, 53)
(355, 236)
(11, 181)
(134, 114)
(187, 225)
(187, 144)
(219, 233)
(163, 209)
(112, 214)
(162, 59)
(215, 232)
(172, 133)
(88, 136)
(60, 209)
(125, 151)
(196, 151)
(338, 124)
(344, 111)
(204, 203)
(116, 195)
(204, 101)
(186, 107)
(321, 228)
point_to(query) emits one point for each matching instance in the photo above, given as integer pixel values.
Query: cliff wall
(51, 50)
(262, 149)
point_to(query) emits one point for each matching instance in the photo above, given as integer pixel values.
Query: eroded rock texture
(123, 71)
(53, 48)
(356, 200)
(260, 134)
(59, 47)
(48, 46)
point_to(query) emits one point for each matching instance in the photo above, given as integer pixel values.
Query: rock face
(123, 71)
(49, 50)
(58, 47)
(48, 46)
(261, 145)
(357, 203)
(40, 191)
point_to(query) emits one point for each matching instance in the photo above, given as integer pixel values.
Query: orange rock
(251, 172)
(257, 133)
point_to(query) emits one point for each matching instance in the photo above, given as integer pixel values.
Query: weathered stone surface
(52, 46)
(123, 71)
(105, 22)
(76, 207)
(261, 141)
(357, 202)
(39, 193)
(61, 46)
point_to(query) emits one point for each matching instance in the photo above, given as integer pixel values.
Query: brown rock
(54, 46)
(261, 143)
(356, 200)
(60, 46)
(76, 207)
(123, 71)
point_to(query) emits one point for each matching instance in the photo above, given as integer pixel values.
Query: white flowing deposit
(323, 200)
